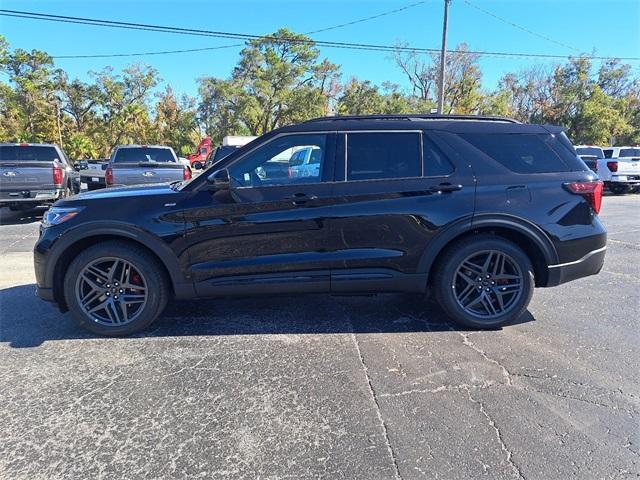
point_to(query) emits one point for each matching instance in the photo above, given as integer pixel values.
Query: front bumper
(589, 264)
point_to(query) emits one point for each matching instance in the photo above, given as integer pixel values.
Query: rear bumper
(589, 264)
(626, 179)
(29, 196)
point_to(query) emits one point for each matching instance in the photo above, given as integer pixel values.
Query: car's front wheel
(484, 282)
(115, 288)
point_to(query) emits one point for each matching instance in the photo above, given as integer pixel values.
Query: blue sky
(606, 27)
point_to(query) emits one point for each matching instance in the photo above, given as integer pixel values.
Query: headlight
(58, 215)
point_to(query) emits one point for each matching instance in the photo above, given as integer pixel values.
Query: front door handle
(445, 188)
(300, 198)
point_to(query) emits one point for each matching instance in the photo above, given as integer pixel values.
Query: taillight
(591, 191)
(57, 175)
(612, 166)
(108, 176)
(186, 174)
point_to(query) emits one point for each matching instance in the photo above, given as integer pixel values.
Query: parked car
(35, 174)
(305, 162)
(590, 154)
(620, 169)
(140, 164)
(92, 172)
(476, 210)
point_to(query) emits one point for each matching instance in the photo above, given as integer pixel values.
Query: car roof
(144, 146)
(22, 144)
(453, 123)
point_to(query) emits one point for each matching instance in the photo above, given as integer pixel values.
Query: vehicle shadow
(26, 321)
(7, 217)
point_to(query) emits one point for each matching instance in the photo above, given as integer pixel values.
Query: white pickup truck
(620, 169)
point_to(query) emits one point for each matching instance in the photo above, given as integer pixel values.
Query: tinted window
(372, 156)
(222, 152)
(28, 154)
(629, 152)
(435, 163)
(142, 154)
(608, 153)
(526, 153)
(596, 152)
(271, 163)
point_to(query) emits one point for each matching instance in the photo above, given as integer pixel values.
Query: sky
(601, 27)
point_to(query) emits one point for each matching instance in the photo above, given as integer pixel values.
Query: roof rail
(414, 117)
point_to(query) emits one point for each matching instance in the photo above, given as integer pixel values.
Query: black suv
(477, 210)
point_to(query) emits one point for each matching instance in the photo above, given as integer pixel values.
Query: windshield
(144, 154)
(594, 151)
(629, 152)
(15, 153)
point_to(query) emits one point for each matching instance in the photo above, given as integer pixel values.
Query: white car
(305, 163)
(590, 154)
(620, 169)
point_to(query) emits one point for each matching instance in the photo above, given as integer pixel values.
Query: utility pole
(443, 57)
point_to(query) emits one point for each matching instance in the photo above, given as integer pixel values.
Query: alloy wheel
(111, 291)
(488, 284)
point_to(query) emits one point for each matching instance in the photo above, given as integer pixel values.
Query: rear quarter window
(15, 153)
(527, 153)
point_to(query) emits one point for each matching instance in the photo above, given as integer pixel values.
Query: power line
(244, 36)
(373, 17)
(519, 27)
(235, 45)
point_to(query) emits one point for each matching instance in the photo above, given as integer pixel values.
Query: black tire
(156, 287)
(449, 287)
(618, 189)
(195, 166)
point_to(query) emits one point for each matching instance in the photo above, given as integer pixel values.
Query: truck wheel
(484, 282)
(115, 288)
(618, 189)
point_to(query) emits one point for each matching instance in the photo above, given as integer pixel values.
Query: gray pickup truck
(34, 174)
(140, 164)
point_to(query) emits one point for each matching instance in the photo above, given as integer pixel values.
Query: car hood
(131, 191)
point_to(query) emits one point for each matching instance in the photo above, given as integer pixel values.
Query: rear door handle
(300, 198)
(445, 188)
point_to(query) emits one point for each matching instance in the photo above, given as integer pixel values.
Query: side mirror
(220, 179)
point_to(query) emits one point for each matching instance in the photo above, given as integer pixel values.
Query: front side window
(281, 162)
(381, 155)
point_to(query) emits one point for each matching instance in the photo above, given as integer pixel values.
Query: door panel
(261, 238)
(382, 227)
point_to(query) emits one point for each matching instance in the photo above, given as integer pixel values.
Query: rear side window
(135, 155)
(526, 153)
(435, 163)
(608, 152)
(629, 152)
(376, 156)
(15, 153)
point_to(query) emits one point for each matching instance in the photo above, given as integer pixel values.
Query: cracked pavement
(379, 387)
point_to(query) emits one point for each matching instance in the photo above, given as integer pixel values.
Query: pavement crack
(383, 425)
(466, 341)
(508, 453)
(443, 388)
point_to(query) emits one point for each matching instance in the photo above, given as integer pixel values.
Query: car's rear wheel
(618, 189)
(115, 288)
(484, 282)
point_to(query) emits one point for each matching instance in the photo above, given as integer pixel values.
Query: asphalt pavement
(380, 387)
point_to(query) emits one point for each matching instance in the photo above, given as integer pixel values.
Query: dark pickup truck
(33, 175)
(140, 164)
